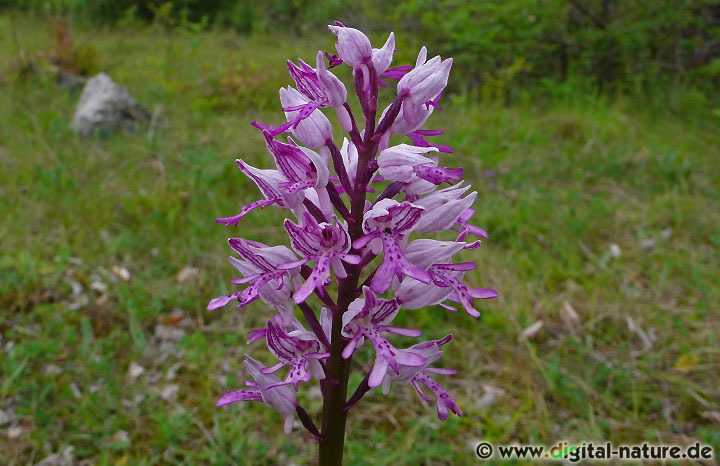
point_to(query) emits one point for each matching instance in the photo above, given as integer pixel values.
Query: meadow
(604, 223)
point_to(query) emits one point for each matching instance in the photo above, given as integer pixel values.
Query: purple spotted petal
(395, 264)
(443, 400)
(367, 318)
(239, 395)
(321, 242)
(280, 398)
(319, 278)
(443, 276)
(292, 351)
(222, 301)
(437, 175)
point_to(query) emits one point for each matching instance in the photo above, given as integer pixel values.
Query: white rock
(168, 333)
(135, 370)
(568, 315)
(63, 458)
(532, 331)
(75, 390)
(99, 286)
(490, 396)
(5, 418)
(121, 437)
(169, 392)
(105, 105)
(121, 272)
(51, 369)
(15, 432)
(171, 373)
(188, 274)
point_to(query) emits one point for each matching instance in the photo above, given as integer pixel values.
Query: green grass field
(109, 253)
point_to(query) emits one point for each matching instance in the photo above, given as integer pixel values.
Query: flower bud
(353, 46)
(426, 80)
(313, 131)
(306, 81)
(411, 117)
(334, 88)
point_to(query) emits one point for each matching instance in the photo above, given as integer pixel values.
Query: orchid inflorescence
(366, 244)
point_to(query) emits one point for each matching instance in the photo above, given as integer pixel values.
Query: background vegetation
(590, 130)
(607, 44)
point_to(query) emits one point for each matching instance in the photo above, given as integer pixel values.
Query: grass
(610, 208)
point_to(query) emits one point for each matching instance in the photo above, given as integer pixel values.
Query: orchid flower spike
(346, 256)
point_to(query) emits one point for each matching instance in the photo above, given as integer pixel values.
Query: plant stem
(334, 413)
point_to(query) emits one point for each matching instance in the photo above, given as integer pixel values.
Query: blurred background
(591, 130)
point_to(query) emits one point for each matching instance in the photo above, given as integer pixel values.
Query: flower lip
(326, 244)
(280, 398)
(367, 318)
